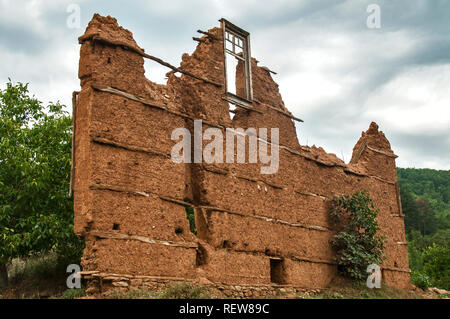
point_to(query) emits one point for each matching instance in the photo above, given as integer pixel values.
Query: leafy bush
(357, 245)
(191, 218)
(181, 290)
(420, 280)
(41, 266)
(131, 294)
(430, 256)
(73, 293)
(185, 291)
(436, 261)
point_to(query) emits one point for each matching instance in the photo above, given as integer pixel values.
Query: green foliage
(425, 197)
(38, 267)
(191, 218)
(36, 214)
(345, 288)
(184, 291)
(436, 265)
(420, 280)
(415, 256)
(73, 293)
(430, 256)
(419, 214)
(131, 294)
(357, 245)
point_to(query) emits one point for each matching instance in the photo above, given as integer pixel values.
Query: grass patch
(39, 276)
(173, 291)
(131, 294)
(185, 291)
(36, 267)
(342, 288)
(72, 294)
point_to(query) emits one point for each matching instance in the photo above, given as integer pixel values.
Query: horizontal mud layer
(400, 280)
(228, 266)
(252, 234)
(132, 123)
(391, 227)
(257, 198)
(135, 257)
(112, 66)
(232, 267)
(378, 164)
(293, 150)
(137, 170)
(307, 274)
(397, 256)
(252, 197)
(308, 175)
(135, 214)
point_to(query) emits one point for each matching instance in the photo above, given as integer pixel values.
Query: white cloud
(417, 101)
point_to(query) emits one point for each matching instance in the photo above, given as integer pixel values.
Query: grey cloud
(20, 39)
(420, 149)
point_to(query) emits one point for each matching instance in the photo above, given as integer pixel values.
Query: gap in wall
(156, 72)
(277, 271)
(190, 215)
(232, 107)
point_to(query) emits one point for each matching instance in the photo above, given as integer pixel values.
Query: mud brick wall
(130, 198)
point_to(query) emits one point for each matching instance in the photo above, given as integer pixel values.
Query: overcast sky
(334, 72)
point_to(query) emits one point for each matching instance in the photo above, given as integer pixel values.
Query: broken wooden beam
(72, 153)
(210, 35)
(240, 104)
(265, 68)
(280, 111)
(105, 141)
(148, 56)
(107, 235)
(109, 89)
(116, 188)
(198, 39)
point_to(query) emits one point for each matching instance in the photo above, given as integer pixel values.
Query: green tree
(357, 244)
(427, 222)
(36, 213)
(433, 186)
(429, 259)
(418, 212)
(436, 265)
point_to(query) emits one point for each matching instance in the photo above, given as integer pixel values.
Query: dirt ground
(35, 288)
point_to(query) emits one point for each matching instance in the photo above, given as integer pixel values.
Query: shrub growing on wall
(356, 243)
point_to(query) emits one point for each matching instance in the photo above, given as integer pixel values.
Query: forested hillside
(426, 204)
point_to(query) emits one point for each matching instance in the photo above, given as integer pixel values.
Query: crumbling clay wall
(253, 230)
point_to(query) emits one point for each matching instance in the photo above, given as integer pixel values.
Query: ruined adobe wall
(130, 197)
